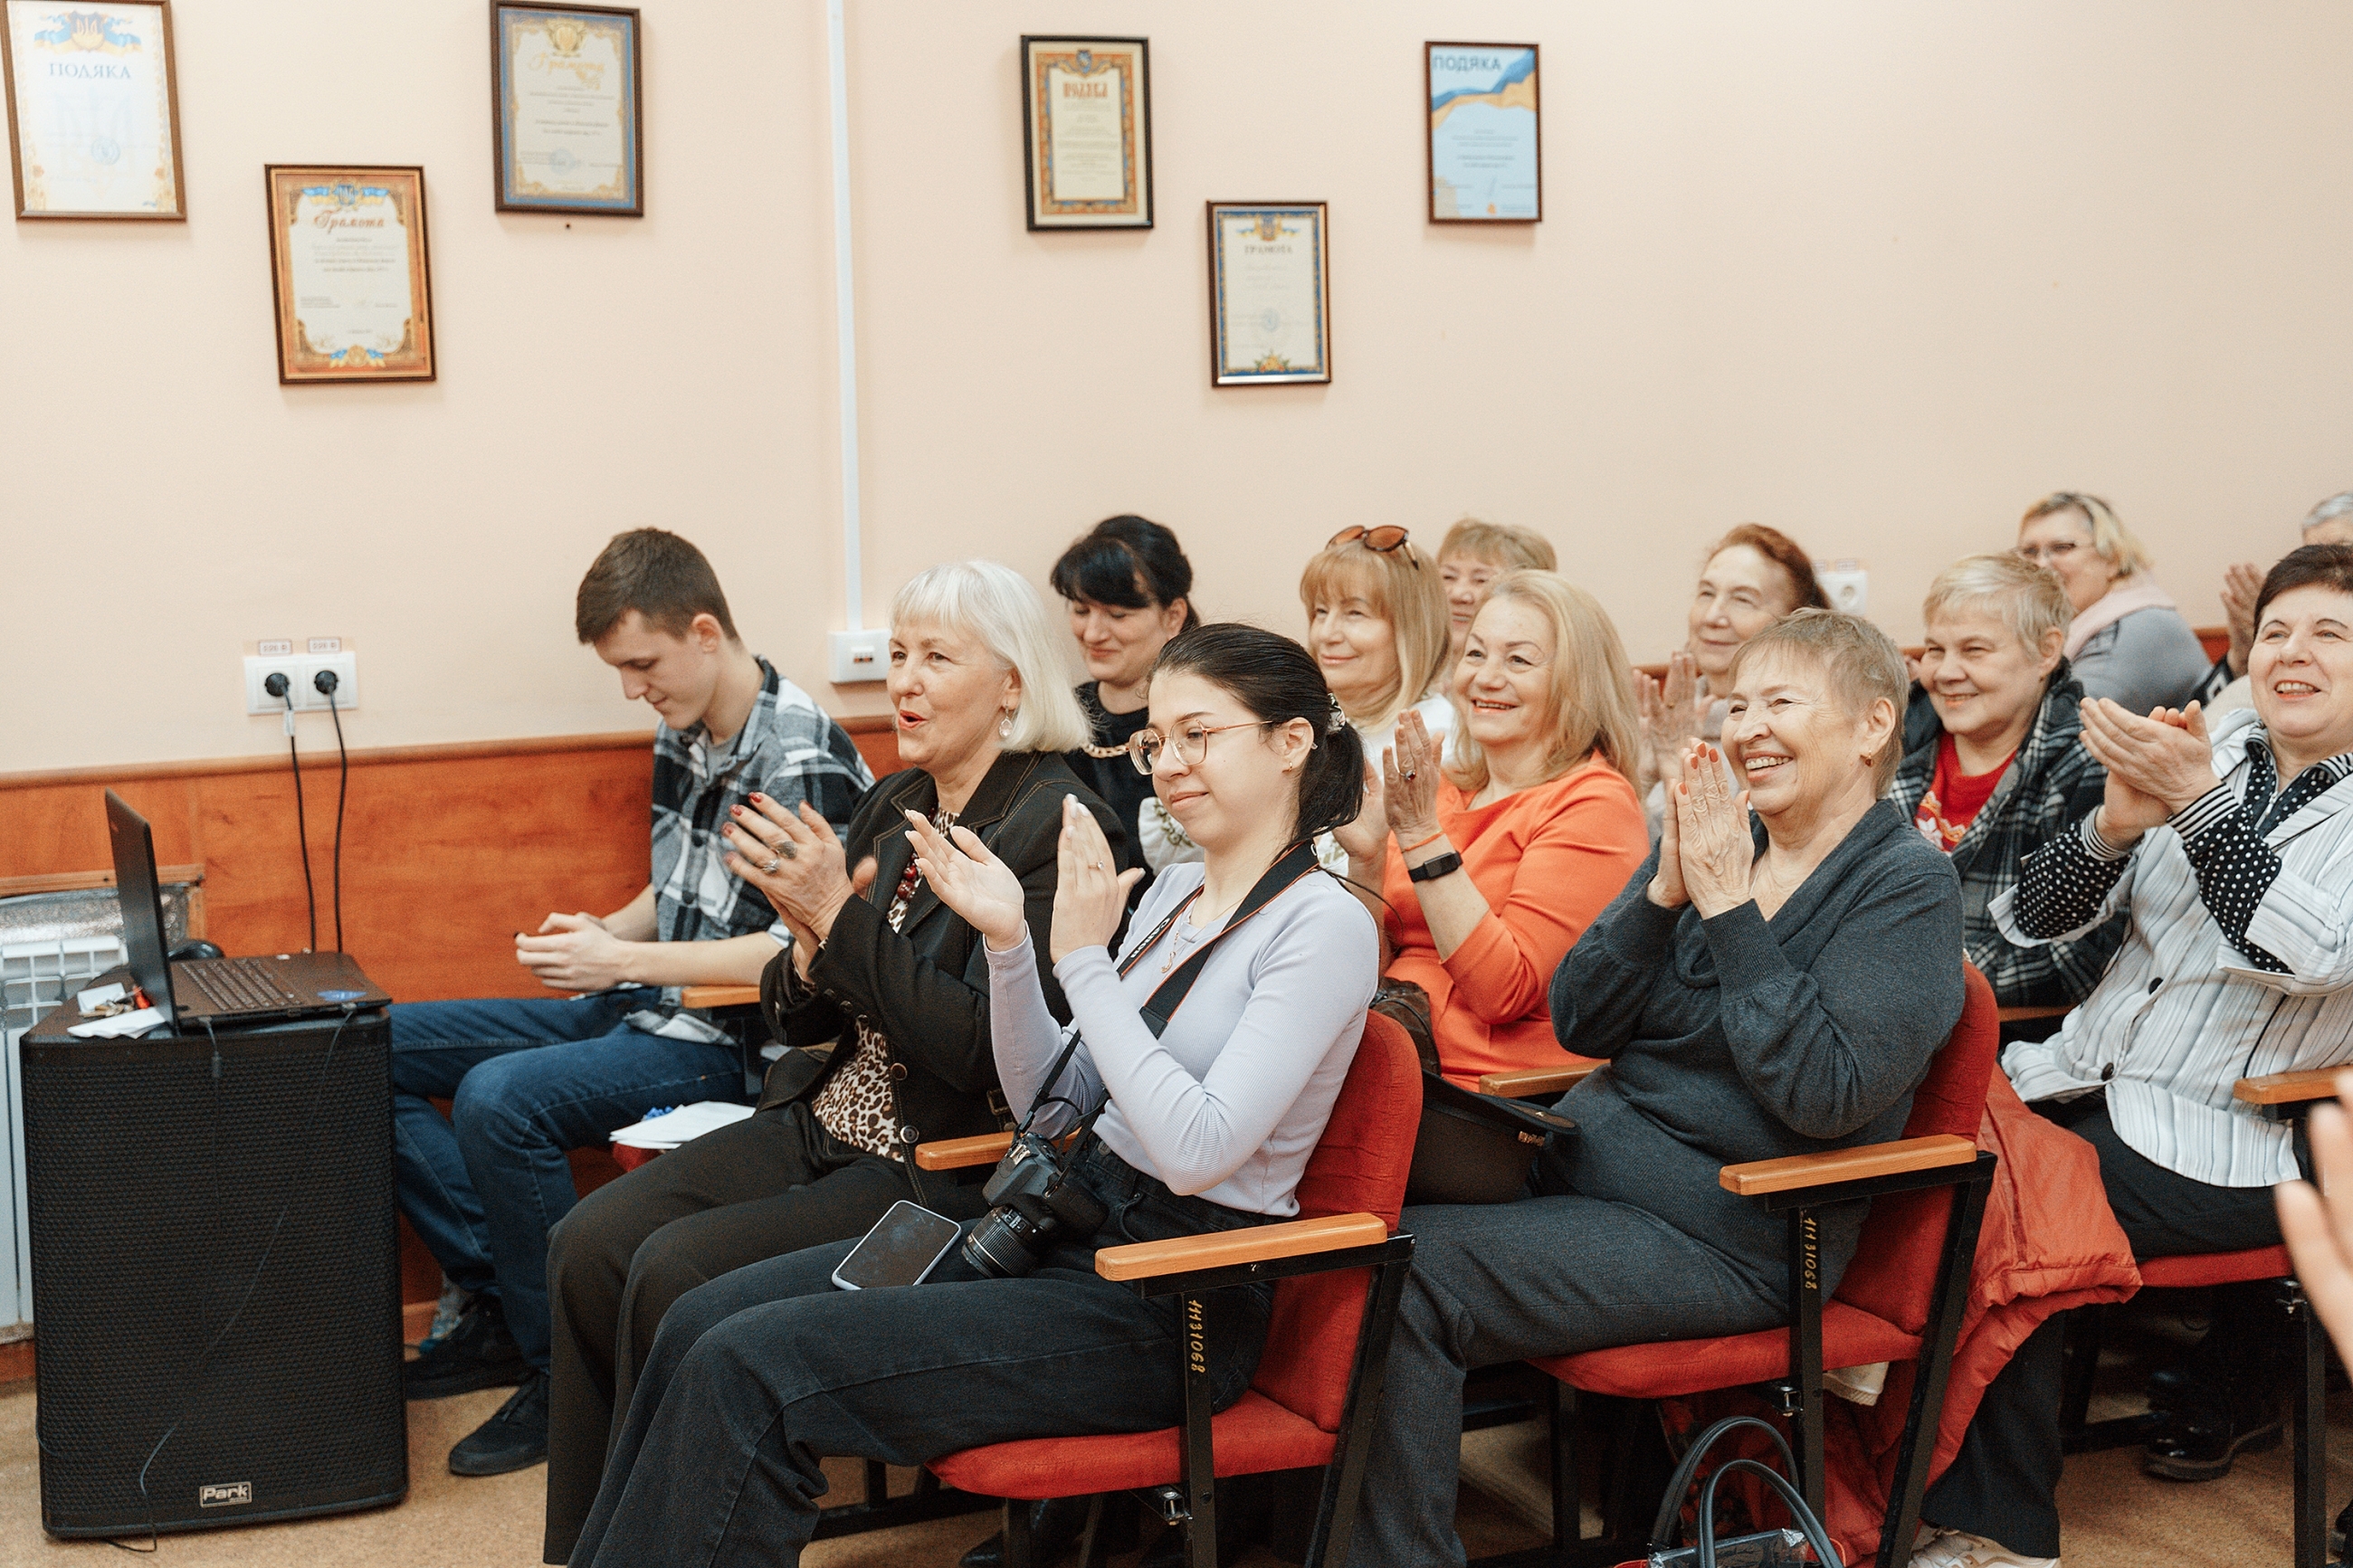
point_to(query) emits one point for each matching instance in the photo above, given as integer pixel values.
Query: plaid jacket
(2051, 784)
(788, 750)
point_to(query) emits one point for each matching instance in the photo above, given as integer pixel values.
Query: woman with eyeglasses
(2128, 642)
(1492, 865)
(1129, 589)
(1203, 1126)
(1753, 576)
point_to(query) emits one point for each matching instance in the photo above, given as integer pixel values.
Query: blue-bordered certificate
(1270, 293)
(569, 118)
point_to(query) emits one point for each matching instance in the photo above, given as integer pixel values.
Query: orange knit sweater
(1547, 860)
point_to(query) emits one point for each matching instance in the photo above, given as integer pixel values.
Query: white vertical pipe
(845, 308)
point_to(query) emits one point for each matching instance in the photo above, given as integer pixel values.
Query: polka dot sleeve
(2063, 884)
(2235, 867)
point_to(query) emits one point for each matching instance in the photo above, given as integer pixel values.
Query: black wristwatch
(1434, 868)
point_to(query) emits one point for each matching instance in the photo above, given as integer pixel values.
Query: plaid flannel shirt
(2052, 783)
(788, 750)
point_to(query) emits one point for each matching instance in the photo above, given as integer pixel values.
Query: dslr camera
(1034, 1206)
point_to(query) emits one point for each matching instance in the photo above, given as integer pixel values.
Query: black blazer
(925, 986)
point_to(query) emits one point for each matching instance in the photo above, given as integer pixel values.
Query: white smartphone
(903, 1249)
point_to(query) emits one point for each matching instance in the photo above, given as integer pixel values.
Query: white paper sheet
(680, 1126)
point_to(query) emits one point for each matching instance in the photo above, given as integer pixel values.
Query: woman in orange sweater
(1491, 871)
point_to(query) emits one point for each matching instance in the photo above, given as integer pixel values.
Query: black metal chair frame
(1799, 1395)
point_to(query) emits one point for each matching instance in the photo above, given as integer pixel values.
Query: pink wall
(1877, 274)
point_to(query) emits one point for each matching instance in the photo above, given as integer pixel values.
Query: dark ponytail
(1129, 562)
(1278, 681)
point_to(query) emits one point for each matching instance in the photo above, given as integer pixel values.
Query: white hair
(2335, 506)
(997, 604)
(2030, 597)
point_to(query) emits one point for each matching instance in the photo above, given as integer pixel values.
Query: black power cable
(277, 686)
(326, 682)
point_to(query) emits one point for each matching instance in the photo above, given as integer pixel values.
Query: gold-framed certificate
(567, 111)
(93, 109)
(349, 266)
(1270, 293)
(1486, 163)
(1086, 118)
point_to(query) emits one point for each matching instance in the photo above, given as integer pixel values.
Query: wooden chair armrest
(2021, 1015)
(1528, 1082)
(720, 996)
(1760, 1177)
(957, 1153)
(2287, 1088)
(1226, 1248)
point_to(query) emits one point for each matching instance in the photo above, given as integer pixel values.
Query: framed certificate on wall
(1270, 293)
(349, 267)
(93, 109)
(1485, 152)
(1086, 119)
(567, 111)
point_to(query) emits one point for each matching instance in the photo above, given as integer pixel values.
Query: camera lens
(1002, 1246)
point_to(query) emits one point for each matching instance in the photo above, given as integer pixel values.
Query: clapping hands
(1671, 713)
(1704, 847)
(1089, 890)
(2156, 765)
(971, 880)
(2242, 585)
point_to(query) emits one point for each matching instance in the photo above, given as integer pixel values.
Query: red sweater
(1547, 860)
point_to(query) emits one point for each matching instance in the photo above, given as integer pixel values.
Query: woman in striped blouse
(2230, 849)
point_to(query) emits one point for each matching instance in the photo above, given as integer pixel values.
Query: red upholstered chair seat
(1671, 1368)
(2217, 1268)
(1256, 1435)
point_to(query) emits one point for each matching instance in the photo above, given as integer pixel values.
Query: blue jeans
(530, 1081)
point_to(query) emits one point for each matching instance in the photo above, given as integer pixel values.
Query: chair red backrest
(1893, 1275)
(1359, 1167)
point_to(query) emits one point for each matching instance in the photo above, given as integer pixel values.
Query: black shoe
(2180, 1387)
(478, 1353)
(2200, 1444)
(513, 1439)
(1055, 1526)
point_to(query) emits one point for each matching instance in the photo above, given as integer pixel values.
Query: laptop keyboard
(239, 985)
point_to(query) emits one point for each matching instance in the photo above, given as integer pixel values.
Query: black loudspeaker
(216, 1274)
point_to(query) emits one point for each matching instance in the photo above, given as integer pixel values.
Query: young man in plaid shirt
(532, 1079)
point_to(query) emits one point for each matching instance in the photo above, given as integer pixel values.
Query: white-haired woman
(1992, 765)
(2128, 642)
(896, 981)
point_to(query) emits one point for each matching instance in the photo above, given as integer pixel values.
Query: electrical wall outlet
(346, 666)
(258, 671)
(1846, 585)
(857, 656)
(298, 670)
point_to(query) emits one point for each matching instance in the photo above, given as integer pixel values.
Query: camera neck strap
(1159, 1007)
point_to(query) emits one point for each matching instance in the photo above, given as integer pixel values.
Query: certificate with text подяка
(1270, 293)
(1484, 141)
(349, 261)
(91, 110)
(567, 133)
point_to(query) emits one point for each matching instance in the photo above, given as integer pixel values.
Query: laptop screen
(143, 904)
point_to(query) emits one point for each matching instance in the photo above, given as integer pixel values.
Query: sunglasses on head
(1384, 539)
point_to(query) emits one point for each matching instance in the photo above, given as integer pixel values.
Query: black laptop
(221, 990)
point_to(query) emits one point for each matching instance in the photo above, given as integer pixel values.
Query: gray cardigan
(1738, 1038)
(2146, 659)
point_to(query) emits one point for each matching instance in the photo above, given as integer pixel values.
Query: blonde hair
(1589, 700)
(1504, 545)
(997, 604)
(1402, 589)
(1863, 666)
(2033, 603)
(2116, 543)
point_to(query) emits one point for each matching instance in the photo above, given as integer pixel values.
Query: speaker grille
(216, 1271)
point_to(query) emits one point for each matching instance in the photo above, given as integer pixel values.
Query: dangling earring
(1004, 724)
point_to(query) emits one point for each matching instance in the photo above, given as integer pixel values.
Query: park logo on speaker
(223, 1494)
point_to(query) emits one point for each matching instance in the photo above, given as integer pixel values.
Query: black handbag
(1471, 1148)
(1803, 1543)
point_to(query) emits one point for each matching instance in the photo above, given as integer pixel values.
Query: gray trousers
(1502, 1282)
